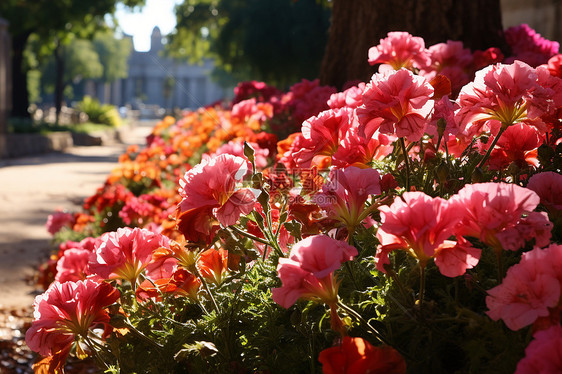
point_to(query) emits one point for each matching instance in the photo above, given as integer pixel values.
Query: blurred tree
(276, 41)
(81, 61)
(113, 54)
(357, 25)
(52, 21)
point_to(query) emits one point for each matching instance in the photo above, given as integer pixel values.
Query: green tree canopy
(113, 54)
(81, 61)
(277, 41)
(51, 21)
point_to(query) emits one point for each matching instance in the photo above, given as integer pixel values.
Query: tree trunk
(20, 96)
(59, 79)
(358, 25)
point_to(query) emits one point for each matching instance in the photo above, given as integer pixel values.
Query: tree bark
(358, 25)
(20, 97)
(59, 79)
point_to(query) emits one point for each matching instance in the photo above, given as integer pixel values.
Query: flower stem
(100, 361)
(487, 155)
(422, 284)
(358, 316)
(250, 236)
(208, 290)
(406, 163)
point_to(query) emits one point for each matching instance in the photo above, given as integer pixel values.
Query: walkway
(31, 188)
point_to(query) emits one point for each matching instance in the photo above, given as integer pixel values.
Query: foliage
(279, 42)
(99, 113)
(113, 55)
(423, 205)
(27, 126)
(81, 62)
(53, 23)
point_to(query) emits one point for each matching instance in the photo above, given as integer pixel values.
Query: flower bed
(409, 223)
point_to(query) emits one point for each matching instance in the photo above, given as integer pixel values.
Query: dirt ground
(31, 188)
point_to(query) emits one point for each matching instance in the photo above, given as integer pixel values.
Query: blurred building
(155, 80)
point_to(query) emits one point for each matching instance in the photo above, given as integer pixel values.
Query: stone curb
(19, 145)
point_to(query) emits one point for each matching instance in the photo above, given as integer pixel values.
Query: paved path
(31, 188)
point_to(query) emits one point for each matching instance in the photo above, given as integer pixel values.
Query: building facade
(155, 80)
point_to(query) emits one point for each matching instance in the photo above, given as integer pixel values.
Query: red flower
(358, 356)
(518, 144)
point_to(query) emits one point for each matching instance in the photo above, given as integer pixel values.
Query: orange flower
(181, 283)
(358, 356)
(213, 265)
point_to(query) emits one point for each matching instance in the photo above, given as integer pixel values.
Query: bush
(98, 113)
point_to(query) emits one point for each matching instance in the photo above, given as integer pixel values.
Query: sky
(139, 24)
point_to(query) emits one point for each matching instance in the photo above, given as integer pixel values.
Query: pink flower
(350, 98)
(548, 185)
(250, 89)
(450, 59)
(72, 265)
(58, 220)
(124, 254)
(535, 225)
(528, 290)
(454, 258)
(251, 112)
(400, 50)
(421, 225)
(508, 94)
(344, 196)
(398, 102)
(490, 208)
(529, 46)
(323, 135)
(66, 312)
(236, 148)
(543, 354)
(308, 98)
(209, 195)
(444, 109)
(553, 97)
(358, 150)
(308, 272)
(554, 65)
